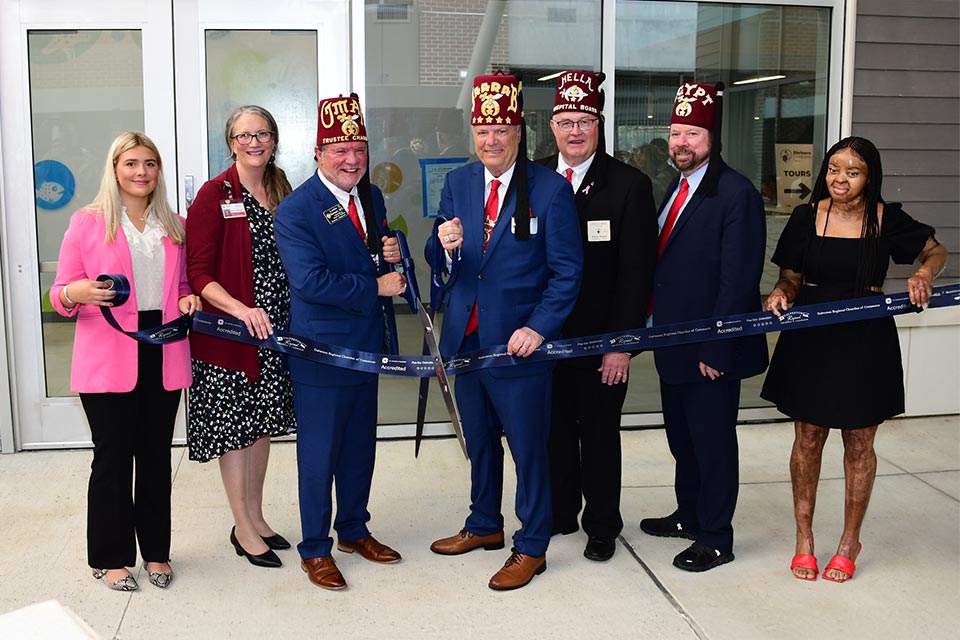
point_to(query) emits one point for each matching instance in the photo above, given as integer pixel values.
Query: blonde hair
(109, 202)
(275, 181)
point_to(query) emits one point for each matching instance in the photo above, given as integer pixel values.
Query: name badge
(534, 227)
(232, 209)
(335, 213)
(598, 231)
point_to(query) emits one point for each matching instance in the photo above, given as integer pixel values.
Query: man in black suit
(618, 227)
(710, 259)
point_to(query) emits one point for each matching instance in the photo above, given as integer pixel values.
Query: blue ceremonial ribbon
(705, 330)
(167, 332)
(642, 339)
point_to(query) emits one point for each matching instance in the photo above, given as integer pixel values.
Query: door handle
(188, 192)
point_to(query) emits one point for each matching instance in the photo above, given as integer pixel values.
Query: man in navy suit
(331, 233)
(711, 253)
(516, 226)
(618, 225)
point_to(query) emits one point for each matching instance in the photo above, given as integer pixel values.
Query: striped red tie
(490, 214)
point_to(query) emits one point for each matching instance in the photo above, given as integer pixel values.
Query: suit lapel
(348, 235)
(504, 220)
(122, 252)
(170, 263)
(689, 211)
(594, 180)
(472, 218)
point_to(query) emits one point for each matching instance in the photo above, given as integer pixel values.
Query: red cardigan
(218, 250)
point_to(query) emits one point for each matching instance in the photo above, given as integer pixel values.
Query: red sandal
(805, 561)
(841, 563)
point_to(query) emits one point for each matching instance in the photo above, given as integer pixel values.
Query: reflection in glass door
(74, 76)
(274, 69)
(80, 100)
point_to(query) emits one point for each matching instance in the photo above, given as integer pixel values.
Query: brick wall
(448, 29)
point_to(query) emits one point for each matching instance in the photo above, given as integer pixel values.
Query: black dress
(842, 376)
(226, 411)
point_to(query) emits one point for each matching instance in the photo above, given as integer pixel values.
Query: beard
(687, 163)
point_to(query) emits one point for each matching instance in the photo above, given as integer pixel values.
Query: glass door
(231, 53)
(82, 73)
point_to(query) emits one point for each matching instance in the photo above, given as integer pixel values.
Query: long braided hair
(867, 264)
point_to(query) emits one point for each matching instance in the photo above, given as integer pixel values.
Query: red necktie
(355, 218)
(490, 214)
(569, 175)
(672, 216)
(668, 225)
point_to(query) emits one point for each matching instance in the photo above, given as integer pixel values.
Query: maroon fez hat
(496, 100)
(695, 105)
(340, 120)
(579, 91)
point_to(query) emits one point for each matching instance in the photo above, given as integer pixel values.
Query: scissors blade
(421, 405)
(430, 337)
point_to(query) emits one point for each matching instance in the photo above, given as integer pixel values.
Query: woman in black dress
(838, 247)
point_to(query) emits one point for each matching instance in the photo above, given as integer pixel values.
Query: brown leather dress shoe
(466, 541)
(518, 571)
(370, 549)
(323, 572)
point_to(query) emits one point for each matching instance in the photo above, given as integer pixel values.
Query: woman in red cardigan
(241, 395)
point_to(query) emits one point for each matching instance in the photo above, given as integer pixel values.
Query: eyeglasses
(585, 125)
(247, 138)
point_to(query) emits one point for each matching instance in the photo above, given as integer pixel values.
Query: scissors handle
(406, 267)
(438, 286)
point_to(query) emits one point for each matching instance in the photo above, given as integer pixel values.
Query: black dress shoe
(599, 549)
(564, 528)
(666, 527)
(266, 559)
(698, 557)
(276, 541)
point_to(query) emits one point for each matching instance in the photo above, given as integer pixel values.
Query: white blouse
(147, 255)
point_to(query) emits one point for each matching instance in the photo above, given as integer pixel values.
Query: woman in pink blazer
(130, 390)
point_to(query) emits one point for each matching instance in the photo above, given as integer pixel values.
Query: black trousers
(701, 425)
(127, 427)
(585, 451)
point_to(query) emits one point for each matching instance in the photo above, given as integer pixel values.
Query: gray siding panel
(906, 30)
(907, 100)
(939, 215)
(907, 57)
(871, 82)
(932, 8)
(879, 109)
(905, 134)
(907, 162)
(921, 188)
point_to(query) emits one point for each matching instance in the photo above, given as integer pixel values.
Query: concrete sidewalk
(907, 582)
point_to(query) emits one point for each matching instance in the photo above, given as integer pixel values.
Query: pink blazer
(105, 360)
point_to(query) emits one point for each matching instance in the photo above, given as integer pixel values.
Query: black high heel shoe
(266, 559)
(276, 541)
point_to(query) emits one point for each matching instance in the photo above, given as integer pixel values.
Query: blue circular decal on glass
(55, 184)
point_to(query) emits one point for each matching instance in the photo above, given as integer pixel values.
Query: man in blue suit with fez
(331, 232)
(710, 258)
(516, 226)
